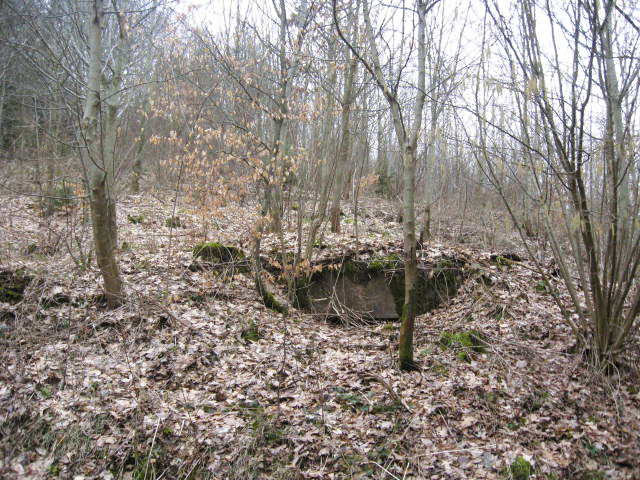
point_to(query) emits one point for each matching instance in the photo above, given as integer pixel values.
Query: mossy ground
(13, 285)
(174, 222)
(217, 252)
(251, 333)
(520, 469)
(465, 343)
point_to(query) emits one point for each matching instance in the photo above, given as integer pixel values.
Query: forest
(332, 239)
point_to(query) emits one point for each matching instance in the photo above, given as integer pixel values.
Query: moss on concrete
(352, 267)
(217, 252)
(379, 264)
(271, 302)
(446, 271)
(435, 286)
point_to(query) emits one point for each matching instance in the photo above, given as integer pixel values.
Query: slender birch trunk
(325, 179)
(346, 142)
(408, 139)
(96, 165)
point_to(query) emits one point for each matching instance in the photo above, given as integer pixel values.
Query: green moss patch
(13, 285)
(174, 222)
(465, 343)
(272, 303)
(381, 263)
(251, 333)
(520, 469)
(543, 286)
(353, 267)
(446, 271)
(440, 370)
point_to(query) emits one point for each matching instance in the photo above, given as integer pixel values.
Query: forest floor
(194, 378)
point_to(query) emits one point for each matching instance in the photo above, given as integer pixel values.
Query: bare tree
(323, 148)
(255, 125)
(600, 231)
(442, 80)
(98, 137)
(346, 139)
(88, 68)
(407, 135)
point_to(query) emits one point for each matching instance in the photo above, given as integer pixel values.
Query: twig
(385, 470)
(151, 448)
(457, 450)
(381, 381)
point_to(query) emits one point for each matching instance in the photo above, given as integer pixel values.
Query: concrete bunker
(374, 290)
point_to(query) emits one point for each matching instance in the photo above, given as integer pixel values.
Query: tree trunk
(113, 102)
(96, 170)
(274, 190)
(36, 137)
(410, 260)
(136, 173)
(267, 297)
(102, 234)
(325, 179)
(614, 112)
(345, 143)
(408, 140)
(54, 129)
(278, 149)
(2, 100)
(382, 163)
(136, 169)
(425, 231)
(110, 129)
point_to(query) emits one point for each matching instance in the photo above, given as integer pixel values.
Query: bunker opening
(373, 290)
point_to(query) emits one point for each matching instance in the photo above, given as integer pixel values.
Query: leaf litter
(168, 386)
